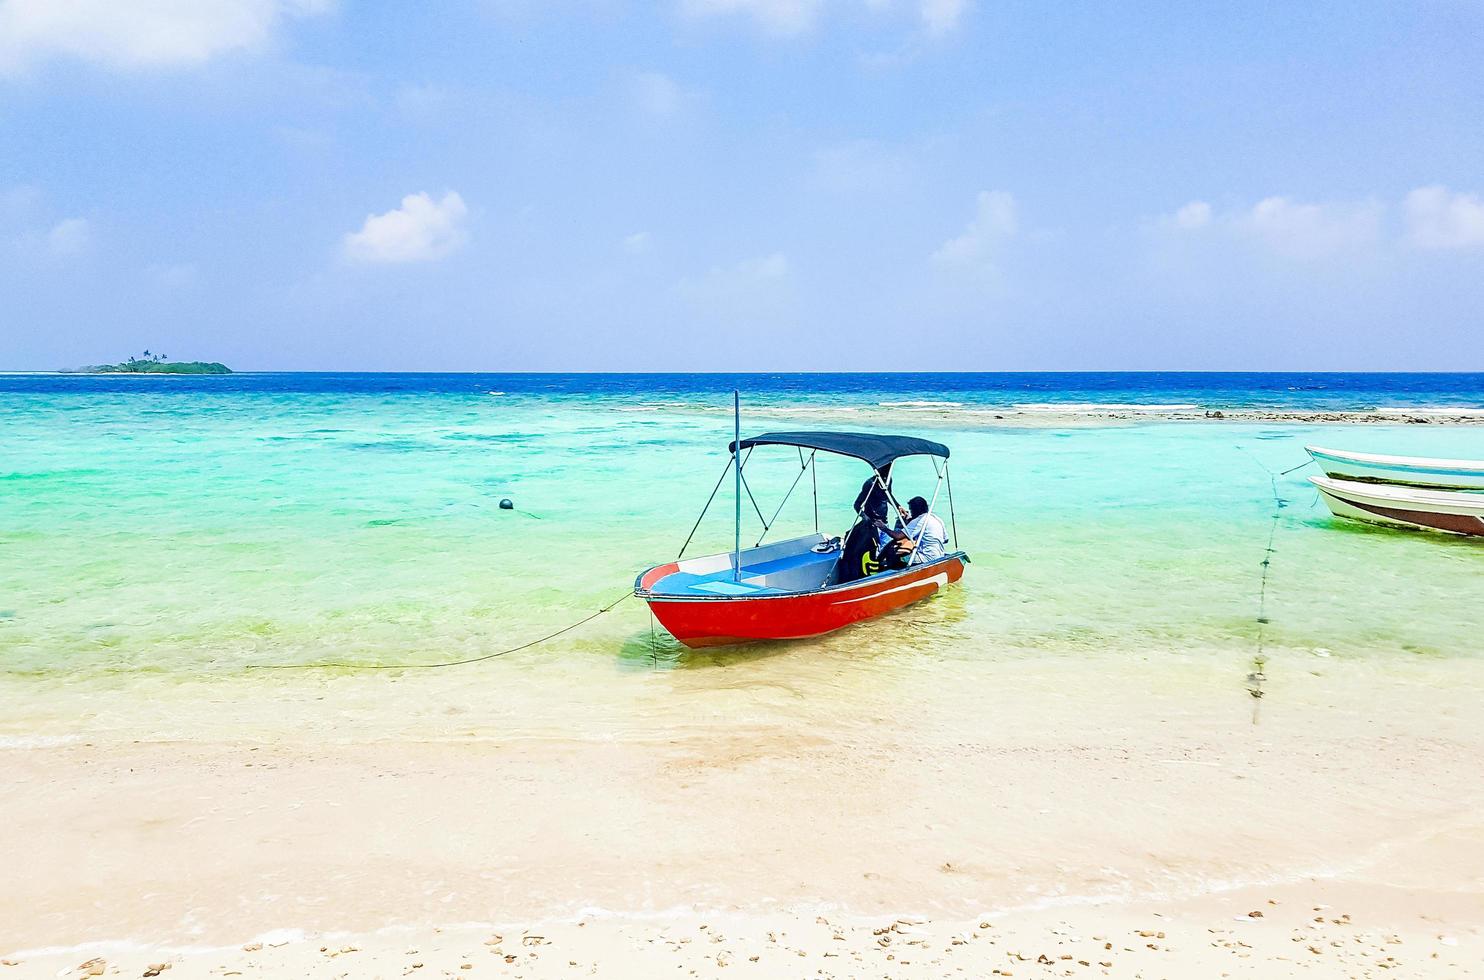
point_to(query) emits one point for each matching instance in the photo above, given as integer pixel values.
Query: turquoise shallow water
(155, 536)
(160, 532)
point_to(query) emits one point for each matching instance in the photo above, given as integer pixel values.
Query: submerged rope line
(1267, 563)
(654, 645)
(1267, 560)
(451, 663)
(1259, 660)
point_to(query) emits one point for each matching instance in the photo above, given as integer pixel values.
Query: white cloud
(773, 266)
(776, 16)
(1294, 229)
(1437, 218)
(992, 225)
(1308, 231)
(637, 243)
(791, 17)
(139, 33)
(755, 291)
(660, 96)
(939, 17)
(420, 230)
(69, 236)
(1196, 214)
(733, 280)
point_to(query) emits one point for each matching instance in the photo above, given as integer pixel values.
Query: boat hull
(703, 621)
(1415, 471)
(1433, 510)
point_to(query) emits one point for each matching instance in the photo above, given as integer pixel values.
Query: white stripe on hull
(936, 581)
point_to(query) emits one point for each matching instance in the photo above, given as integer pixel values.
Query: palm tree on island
(151, 363)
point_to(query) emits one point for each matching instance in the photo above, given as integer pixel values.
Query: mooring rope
(452, 663)
(1256, 678)
(1267, 563)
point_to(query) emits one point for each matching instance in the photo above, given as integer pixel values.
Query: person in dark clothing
(872, 502)
(861, 550)
(858, 554)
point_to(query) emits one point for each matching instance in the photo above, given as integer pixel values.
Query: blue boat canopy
(876, 449)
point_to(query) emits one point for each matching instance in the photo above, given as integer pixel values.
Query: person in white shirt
(927, 539)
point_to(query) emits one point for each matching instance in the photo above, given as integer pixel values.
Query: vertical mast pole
(737, 466)
(814, 478)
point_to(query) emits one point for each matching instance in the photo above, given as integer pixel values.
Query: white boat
(1416, 471)
(1455, 511)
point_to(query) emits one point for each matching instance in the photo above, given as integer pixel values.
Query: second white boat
(1454, 511)
(1416, 471)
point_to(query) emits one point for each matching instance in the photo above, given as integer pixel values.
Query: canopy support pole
(885, 485)
(714, 490)
(936, 487)
(814, 479)
(952, 517)
(737, 460)
(767, 525)
(922, 528)
(747, 488)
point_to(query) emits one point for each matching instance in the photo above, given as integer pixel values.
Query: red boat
(793, 589)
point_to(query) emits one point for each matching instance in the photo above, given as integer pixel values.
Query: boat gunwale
(649, 595)
(1392, 493)
(1416, 463)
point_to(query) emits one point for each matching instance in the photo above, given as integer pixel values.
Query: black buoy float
(507, 504)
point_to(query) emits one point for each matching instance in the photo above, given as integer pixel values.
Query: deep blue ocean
(1213, 390)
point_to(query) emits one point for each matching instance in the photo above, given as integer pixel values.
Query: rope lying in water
(451, 663)
(1256, 677)
(1267, 560)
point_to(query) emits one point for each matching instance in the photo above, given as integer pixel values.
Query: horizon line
(53, 372)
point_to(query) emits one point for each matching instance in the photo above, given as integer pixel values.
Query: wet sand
(1305, 930)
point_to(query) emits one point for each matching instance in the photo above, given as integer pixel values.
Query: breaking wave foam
(1081, 407)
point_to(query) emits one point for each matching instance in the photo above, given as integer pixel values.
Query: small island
(158, 364)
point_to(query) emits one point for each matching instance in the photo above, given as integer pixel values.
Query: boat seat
(743, 587)
(790, 573)
(791, 561)
(712, 583)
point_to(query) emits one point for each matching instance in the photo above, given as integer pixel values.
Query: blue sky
(743, 184)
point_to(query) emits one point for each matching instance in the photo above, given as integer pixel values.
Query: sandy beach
(1295, 931)
(1152, 828)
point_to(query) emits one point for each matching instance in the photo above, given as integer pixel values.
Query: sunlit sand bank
(1162, 799)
